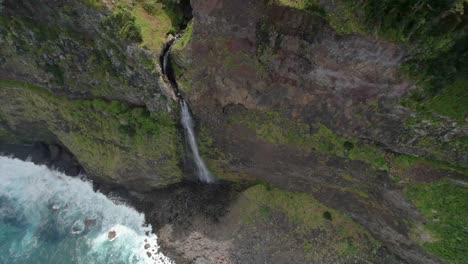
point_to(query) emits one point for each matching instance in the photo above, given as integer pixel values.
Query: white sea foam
(48, 217)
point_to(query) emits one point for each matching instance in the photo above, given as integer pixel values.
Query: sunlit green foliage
(343, 235)
(124, 21)
(106, 137)
(445, 207)
(436, 33)
(277, 129)
(307, 5)
(93, 3)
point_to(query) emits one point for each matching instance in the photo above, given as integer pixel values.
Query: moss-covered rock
(276, 129)
(114, 142)
(444, 206)
(181, 59)
(313, 231)
(84, 74)
(80, 51)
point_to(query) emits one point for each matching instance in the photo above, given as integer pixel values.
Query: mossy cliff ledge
(84, 75)
(326, 97)
(115, 143)
(345, 114)
(81, 51)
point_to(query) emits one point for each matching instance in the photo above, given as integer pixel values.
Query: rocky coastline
(331, 136)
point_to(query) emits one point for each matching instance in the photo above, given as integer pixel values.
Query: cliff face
(77, 51)
(74, 74)
(319, 97)
(285, 95)
(270, 57)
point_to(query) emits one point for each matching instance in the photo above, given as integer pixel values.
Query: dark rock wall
(68, 78)
(250, 57)
(282, 59)
(66, 47)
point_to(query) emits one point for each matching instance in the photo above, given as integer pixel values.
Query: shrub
(124, 21)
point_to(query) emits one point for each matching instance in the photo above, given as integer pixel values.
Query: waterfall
(187, 122)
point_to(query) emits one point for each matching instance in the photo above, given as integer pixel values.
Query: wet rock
(90, 222)
(111, 235)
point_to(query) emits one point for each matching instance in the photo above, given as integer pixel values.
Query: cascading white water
(48, 217)
(187, 122)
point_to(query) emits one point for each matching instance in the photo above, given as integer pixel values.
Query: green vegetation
(216, 160)
(341, 233)
(108, 138)
(171, 8)
(452, 101)
(93, 3)
(435, 33)
(156, 20)
(182, 43)
(445, 207)
(276, 129)
(29, 40)
(307, 5)
(123, 19)
(181, 59)
(301, 208)
(403, 162)
(144, 21)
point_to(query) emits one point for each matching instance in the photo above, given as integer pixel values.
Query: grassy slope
(154, 19)
(445, 206)
(276, 129)
(340, 235)
(154, 26)
(106, 137)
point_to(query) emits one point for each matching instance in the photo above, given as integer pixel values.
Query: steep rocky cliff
(322, 97)
(360, 104)
(75, 73)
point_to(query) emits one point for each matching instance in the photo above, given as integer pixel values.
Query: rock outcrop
(75, 50)
(297, 94)
(73, 74)
(282, 97)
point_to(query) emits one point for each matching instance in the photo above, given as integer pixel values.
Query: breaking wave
(48, 217)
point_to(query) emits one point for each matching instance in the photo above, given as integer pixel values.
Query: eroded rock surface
(280, 96)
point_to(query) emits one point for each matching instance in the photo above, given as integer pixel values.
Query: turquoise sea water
(48, 217)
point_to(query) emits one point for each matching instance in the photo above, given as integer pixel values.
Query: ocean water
(48, 217)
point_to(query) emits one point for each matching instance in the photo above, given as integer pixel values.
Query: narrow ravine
(186, 118)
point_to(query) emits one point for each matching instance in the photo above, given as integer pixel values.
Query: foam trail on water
(48, 217)
(187, 122)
